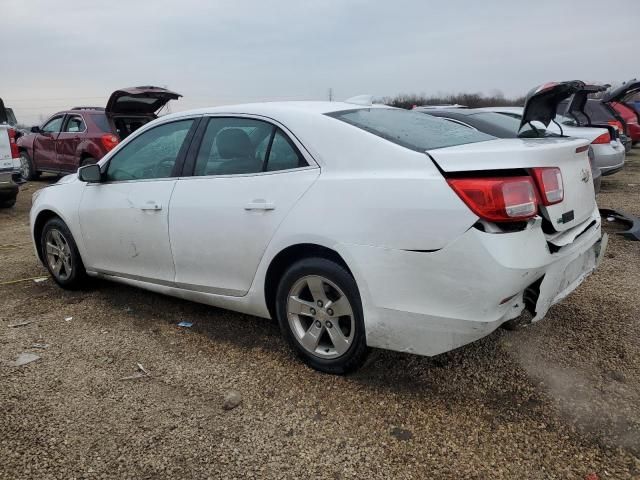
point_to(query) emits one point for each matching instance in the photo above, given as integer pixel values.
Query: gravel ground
(556, 400)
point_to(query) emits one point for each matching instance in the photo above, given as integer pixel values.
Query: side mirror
(90, 174)
(35, 129)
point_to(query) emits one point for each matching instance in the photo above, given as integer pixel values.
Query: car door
(124, 218)
(45, 152)
(247, 176)
(68, 141)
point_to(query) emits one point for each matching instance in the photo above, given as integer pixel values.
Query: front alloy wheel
(58, 254)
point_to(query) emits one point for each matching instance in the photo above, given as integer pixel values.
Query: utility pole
(330, 94)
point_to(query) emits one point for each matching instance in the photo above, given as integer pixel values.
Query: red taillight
(503, 199)
(109, 141)
(617, 124)
(12, 143)
(549, 183)
(604, 138)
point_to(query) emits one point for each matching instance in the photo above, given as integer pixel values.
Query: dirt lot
(560, 399)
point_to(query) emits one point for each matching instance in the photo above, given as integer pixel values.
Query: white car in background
(608, 152)
(9, 159)
(354, 225)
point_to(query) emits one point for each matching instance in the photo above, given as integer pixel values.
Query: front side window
(234, 146)
(153, 154)
(75, 124)
(412, 130)
(53, 125)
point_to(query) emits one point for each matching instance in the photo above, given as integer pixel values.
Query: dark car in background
(500, 126)
(594, 112)
(83, 135)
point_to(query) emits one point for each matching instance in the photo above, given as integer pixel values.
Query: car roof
(462, 112)
(517, 110)
(275, 108)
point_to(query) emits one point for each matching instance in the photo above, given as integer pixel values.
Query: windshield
(412, 130)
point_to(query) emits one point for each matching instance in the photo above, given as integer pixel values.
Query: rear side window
(102, 122)
(74, 124)
(236, 146)
(412, 130)
(283, 155)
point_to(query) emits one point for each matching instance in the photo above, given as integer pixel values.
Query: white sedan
(355, 226)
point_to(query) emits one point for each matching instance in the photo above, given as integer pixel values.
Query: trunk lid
(623, 92)
(542, 102)
(522, 154)
(139, 100)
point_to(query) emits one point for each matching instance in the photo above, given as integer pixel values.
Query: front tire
(60, 255)
(27, 168)
(320, 314)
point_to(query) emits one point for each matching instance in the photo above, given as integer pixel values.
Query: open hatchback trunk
(576, 109)
(4, 117)
(623, 92)
(130, 108)
(542, 102)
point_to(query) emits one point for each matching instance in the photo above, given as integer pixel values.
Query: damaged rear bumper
(432, 302)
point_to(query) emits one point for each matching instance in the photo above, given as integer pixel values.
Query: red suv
(83, 135)
(618, 99)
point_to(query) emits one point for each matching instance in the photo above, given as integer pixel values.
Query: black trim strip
(192, 154)
(178, 167)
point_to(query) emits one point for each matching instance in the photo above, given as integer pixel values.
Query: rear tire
(320, 314)
(27, 168)
(60, 255)
(8, 203)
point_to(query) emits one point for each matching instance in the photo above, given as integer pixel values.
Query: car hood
(622, 92)
(139, 100)
(4, 118)
(542, 102)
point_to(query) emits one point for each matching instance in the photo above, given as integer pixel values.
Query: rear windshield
(412, 130)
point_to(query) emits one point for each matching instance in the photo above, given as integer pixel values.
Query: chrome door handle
(259, 205)
(151, 205)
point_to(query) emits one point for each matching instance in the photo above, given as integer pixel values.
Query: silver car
(608, 153)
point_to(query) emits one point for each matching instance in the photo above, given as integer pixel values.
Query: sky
(55, 55)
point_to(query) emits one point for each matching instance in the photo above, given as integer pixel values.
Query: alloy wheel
(25, 167)
(58, 254)
(320, 317)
